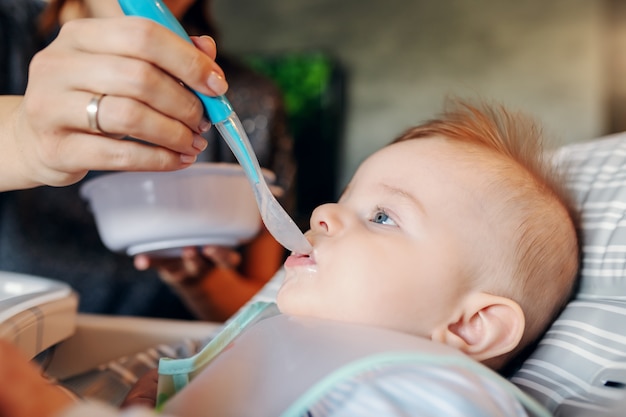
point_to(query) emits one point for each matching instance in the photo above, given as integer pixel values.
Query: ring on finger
(92, 113)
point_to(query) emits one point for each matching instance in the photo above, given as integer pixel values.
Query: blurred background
(366, 69)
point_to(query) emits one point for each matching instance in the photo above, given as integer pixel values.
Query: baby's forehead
(457, 156)
(458, 166)
(475, 175)
(440, 146)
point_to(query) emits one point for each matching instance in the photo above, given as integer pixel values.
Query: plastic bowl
(161, 212)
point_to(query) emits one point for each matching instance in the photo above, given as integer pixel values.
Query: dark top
(50, 231)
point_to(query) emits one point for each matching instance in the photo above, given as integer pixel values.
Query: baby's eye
(381, 217)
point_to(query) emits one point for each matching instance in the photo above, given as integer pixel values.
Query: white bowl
(161, 212)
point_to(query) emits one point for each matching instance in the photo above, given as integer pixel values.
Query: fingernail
(217, 83)
(209, 38)
(205, 125)
(199, 143)
(188, 159)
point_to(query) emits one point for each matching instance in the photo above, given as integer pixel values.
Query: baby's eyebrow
(405, 195)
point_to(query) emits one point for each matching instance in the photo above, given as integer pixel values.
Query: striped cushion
(580, 363)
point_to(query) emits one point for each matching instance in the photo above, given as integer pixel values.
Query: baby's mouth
(299, 259)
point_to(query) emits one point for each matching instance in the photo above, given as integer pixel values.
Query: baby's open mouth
(299, 259)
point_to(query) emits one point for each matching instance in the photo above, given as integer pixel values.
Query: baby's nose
(327, 219)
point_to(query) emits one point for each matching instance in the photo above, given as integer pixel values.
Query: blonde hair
(535, 204)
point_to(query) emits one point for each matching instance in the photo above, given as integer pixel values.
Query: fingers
(66, 158)
(190, 267)
(118, 116)
(193, 264)
(144, 39)
(137, 87)
(222, 257)
(66, 155)
(101, 153)
(140, 100)
(134, 88)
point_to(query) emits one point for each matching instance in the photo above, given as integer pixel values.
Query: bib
(280, 364)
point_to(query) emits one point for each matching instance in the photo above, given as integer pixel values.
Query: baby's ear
(488, 326)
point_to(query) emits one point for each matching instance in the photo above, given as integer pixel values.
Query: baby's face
(399, 248)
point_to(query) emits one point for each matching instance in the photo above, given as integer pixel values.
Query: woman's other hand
(215, 282)
(193, 264)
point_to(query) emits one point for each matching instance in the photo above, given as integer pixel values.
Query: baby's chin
(299, 293)
(291, 303)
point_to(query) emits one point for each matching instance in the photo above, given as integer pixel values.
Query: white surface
(19, 292)
(154, 211)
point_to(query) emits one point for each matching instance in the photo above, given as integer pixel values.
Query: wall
(403, 57)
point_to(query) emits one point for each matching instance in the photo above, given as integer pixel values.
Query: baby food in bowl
(161, 212)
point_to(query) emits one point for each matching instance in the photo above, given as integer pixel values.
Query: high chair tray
(99, 339)
(35, 312)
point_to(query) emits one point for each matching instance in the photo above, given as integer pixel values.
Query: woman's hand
(23, 391)
(190, 277)
(136, 65)
(192, 266)
(216, 281)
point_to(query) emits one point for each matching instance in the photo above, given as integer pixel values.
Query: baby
(456, 234)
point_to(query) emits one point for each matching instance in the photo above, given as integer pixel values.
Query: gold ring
(92, 113)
